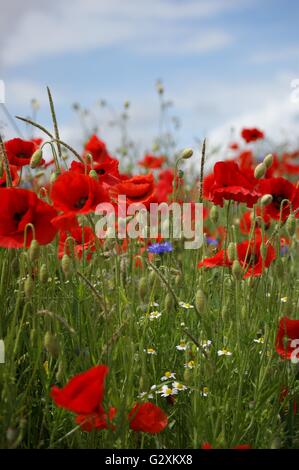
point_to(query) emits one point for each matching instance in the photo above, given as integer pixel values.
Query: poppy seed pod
(214, 214)
(200, 300)
(187, 153)
(34, 250)
(268, 160)
(36, 158)
(142, 287)
(232, 251)
(43, 273)
(28, 287)
(260, 171)
(266, 199)
(169, 303)
(66, 264)
(51, 344)
(237, 269)
(93, 174)
(291, 225)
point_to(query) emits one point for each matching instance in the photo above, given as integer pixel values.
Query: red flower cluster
(288, 332)
(84, 394)
(251, 135)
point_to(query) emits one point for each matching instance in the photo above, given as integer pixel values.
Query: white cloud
(80, 25)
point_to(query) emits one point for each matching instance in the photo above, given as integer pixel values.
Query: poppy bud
(276, 443)
(93, 174)
(66, 264)
(43, 273)
(28, 287)
(60, 372)
(180, 173)
(142, 287)
(155, 147)
(187, 153)
(237, 269)
(200, 300)
(243, 312)
(33, 336)
(266, 199)
(291, 225)
(36, 158)
(126, 104)
(54, 177)
(34, 250)
(89, 158)
(11, 435)
(169, 303)
(187, 375)
(160, 88)
(268, 160)
(214, 214)
(152, 278)
(232, 251)
(51, 344)
(178, 280)
(260, 171)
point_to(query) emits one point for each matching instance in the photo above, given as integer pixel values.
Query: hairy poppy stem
(6, 163)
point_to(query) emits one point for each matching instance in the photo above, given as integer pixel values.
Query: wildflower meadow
(118, 334)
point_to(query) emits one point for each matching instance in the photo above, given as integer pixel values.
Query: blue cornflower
(160, 248)
(212, 241)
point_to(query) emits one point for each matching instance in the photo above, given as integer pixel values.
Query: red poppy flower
(84, 393)
(288, 331)
(97, 148)
(280, 189)
(83, 240)
(97, 421)
(147, 417)
(18, 208)
(14, 176)
(73, 192)
(65, 222)
(249, 256)
(107, 170)
(136, 189)
(152, 162)
(19, 151)
(228, 182)
(251, 135)
(234, 146)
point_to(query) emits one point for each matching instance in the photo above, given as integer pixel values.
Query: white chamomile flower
(260, 340)
(185, 305)
(168, 375)
(179, 387)
(154, 315)
(204, 392)
(224, 352)
(154, 304)
(154, 387)
(206, 343)
(182, 346)
(146, 395)
(284, 300)
(167, 391)
(150, 351)
(190, 365)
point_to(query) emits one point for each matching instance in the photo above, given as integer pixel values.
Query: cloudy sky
(224, 63)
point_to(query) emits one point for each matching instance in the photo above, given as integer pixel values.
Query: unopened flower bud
(214, 214)
(187, 153)
(93, 174)
(43, 273)
(34, 250)
(237, 269)
(260, 171)
(266, 199)
(36, 158)
(51, 344)
(291, 225)
(28, 287)
(54, 177)
(178, 280)
(60, 372)
(66, 264)
(268, 160)
(169, 303)
(232, 251)
(200, 300)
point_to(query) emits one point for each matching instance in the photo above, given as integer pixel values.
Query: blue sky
(223, 63)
